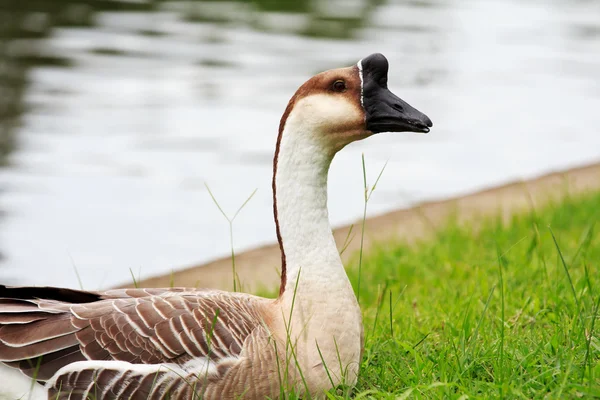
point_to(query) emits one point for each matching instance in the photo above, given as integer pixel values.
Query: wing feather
(17, 353)
(139, 326)
(110, 380)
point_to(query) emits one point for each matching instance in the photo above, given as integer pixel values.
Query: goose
(188, 343)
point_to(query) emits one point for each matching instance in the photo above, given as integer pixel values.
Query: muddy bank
(259, 268)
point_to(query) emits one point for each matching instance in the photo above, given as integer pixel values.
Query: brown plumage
(168, 327)
(134, 325)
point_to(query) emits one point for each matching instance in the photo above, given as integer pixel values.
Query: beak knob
(386, 112)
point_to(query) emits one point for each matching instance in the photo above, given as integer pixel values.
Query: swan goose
(183, 343)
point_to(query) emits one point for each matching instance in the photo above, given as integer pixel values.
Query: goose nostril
(398, 107)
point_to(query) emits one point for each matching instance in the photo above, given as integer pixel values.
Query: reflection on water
(26, 27)
(113, 114)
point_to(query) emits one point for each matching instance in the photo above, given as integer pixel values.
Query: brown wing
(109, 380)
(145, 326)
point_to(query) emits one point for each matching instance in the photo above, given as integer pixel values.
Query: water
(114, 115)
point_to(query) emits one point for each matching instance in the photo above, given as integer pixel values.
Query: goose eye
(339, 86)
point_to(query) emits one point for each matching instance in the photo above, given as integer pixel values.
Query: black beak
(386, 112)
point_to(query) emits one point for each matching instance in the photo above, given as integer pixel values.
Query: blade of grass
(473, 338)
(362, 231)
(502, 319)
(135, 284)
(367, 196)
(571, 285)
(76, 272)
(324, 364)
(391, 319)
(588, 340)
(585, 243)
(379, 305)
(347, 240)
(230, 222)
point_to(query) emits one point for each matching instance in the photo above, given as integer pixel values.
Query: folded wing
(45, 329)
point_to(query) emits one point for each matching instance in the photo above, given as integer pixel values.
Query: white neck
(300, 195)
(313, 272)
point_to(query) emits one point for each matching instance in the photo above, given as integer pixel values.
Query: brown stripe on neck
(303, 91)
(275, 159)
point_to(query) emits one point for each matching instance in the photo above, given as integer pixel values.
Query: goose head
(343, 105)
(329, 111)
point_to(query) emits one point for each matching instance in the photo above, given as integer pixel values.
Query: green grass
(501, 310)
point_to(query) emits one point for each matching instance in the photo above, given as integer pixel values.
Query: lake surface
(114, 115)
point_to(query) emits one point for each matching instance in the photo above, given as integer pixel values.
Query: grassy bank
(488, 311)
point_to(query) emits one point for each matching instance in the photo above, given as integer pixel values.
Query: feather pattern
(244, 376)
(121, 380)
(136, 326)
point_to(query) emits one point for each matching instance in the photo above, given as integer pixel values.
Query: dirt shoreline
(259, 268)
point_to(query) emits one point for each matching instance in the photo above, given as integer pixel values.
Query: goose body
(182, 343)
